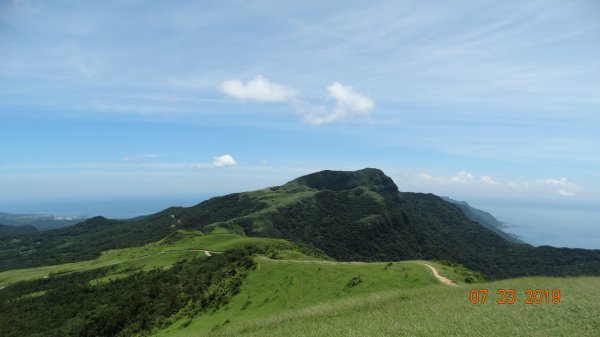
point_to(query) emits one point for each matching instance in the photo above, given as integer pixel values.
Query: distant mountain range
(485, 219)
(39, 221)
(358, 215)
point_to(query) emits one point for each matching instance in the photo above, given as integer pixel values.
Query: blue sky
(165, 98)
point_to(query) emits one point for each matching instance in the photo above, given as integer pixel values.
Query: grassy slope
(283, 298)
(164, 253)
(279, 287)
(300, 295)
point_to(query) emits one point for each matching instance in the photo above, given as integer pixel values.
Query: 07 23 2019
(510, 296)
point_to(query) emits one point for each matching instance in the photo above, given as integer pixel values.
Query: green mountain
(484, 218)
(11, 231)
(357, 215)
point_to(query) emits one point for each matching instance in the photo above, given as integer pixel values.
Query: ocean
(559, 225)
(114, 208)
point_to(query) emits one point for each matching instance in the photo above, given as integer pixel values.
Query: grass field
(295, 298)
(164, 253)
(292, 294)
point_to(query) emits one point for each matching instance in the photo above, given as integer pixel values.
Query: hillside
(293, 298)
(224, 284)
(425, 310)
(7, 231)
(349, 216)
(178, 246)
(134, 290)
(484, 218)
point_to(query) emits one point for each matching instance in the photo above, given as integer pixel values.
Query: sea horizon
(535, 222)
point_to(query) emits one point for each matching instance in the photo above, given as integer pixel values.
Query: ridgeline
(350, 216)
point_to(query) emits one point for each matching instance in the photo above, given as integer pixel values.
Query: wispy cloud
(258, 89)
(565, 192)
(487, 180)
(462, 177)
(349, 103)
(560, 186)
(129, 163)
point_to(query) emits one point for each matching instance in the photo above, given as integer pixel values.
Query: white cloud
(425, 177)
(565, 193)
(562, 182)
(349, 104)
(462, 177)
(561, 186)
(259, 89)
(487, 180)
(224, 161)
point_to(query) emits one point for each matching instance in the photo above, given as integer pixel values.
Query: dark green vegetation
(483, 218)
(86, 240)
(12, 231)
(74, 305)
(288, 294)
(39, 221)
(348, 215)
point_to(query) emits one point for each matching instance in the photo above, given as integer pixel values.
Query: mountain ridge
(348, 215)
(370, 178)
(484, 218)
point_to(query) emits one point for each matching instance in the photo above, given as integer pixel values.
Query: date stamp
(508, 296)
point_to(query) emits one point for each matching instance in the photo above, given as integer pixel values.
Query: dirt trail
(441, 278)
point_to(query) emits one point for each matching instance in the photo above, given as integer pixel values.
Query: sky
(476, 100)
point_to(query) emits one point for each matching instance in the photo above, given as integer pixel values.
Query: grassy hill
(283, 290)
(164, 253)
(279, 290)
(350, 216)
(426, 310)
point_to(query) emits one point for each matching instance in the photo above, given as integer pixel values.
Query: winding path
(441, 278)
(437, 275)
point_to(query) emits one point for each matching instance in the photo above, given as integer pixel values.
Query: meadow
(295, 298)
(290, 293)
(162, 254)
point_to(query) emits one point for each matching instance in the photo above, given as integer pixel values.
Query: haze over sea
(537, 223)
(553, 224)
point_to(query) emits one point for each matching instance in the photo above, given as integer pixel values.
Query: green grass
(164, 253)
(293, 294)
(282, 286)
(311, 298)
(441, 311)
